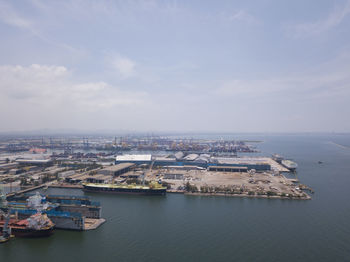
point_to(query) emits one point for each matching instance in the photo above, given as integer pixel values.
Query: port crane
(3, 200)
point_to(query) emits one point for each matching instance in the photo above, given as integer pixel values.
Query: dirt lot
(245, 183)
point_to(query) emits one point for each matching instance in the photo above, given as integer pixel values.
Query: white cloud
(243, 16)
(330, 80)
(53, 87)
(302, 87)
(40, 96)
(10, 17)
(334, 19)
(124, 66)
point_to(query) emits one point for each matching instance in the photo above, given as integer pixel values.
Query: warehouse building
(136, 159)
(8, 166)
(100, 179)
(228, 168)
(116, 170)
(164, 161)
(257, 163)
(35, 162)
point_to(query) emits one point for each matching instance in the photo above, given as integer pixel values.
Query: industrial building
(203, 161)
(8, 166)
(191, 157)
(116, 170)
(228, 168)
(76, 178)
(36, 162)
(256, 163)
(164, 161)
(102, 179)
(136, 159)
(132, 175)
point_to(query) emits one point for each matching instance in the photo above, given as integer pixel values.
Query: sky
(173, 66)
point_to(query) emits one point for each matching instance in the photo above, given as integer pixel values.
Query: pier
(12, 194)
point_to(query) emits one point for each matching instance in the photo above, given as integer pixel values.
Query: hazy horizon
(175, 66)
(118, 133)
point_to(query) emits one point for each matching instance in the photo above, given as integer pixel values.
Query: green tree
(190, 188)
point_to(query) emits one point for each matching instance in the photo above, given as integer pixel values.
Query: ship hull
(127, 191)
(25, 232)
(32, 232)
(292, 166)
(4, 239)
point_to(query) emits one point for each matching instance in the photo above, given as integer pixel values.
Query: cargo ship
(151, 189)
(37, 225)
(292, 166)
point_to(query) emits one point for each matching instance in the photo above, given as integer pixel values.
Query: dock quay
(25, 190)
(91, 224)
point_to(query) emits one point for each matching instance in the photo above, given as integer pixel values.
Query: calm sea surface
(192, 228)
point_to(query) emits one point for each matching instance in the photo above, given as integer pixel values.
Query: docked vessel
(277, 158)
(292, 166)
(66, 212)
(37, 225)
(4, 238)
(152, 189)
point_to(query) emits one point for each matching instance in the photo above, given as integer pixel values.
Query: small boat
(4, 238)
(320, 162)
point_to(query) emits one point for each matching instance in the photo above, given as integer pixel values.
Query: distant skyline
(175, 66)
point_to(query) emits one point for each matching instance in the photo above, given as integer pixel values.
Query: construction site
(235, 183)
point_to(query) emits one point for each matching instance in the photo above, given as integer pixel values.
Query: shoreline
(248, 196)
(204, 194)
